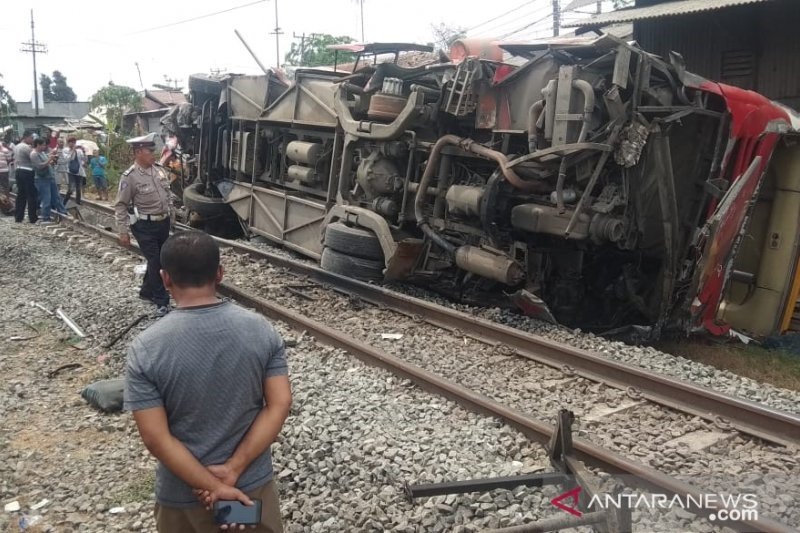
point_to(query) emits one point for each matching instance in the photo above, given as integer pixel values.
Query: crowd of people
(40, 168)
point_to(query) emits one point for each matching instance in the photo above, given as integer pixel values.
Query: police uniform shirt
(147, 189)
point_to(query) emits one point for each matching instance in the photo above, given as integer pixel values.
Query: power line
(525, 27)
(485, 22)
(497, 28)
(169, 25)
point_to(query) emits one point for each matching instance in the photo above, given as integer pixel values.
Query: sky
(94, 41)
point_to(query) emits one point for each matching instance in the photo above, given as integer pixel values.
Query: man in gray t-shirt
(209, 391)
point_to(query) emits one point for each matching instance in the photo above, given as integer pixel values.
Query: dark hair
(72, 139)
(191, 258)
(28, 133)
(38, 142)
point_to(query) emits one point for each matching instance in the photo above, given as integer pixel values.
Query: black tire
(353, 241)
(215, 216)
(352, 267)
(194, 199)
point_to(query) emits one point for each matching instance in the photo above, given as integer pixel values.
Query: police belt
(153, 218)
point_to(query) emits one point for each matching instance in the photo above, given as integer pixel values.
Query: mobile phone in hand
(235, 512)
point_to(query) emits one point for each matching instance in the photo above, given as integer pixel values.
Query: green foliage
(315, 53)
(120, 157)
(444, 35)
(61, 91)
(116, 99)
(55, 89)
(619, 4)
(7, 105)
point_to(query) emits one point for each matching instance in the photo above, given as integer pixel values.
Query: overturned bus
(586, 181)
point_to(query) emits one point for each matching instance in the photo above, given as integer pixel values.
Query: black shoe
(145, 298)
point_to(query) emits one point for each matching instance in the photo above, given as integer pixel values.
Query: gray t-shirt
(206, 366)
(22, 156)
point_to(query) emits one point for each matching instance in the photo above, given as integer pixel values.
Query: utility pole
(361, 3)
(599, 7)
(302, 46)
(141, 83)
(34, 47)
(556, 17)
(171, 80)
(278, 34)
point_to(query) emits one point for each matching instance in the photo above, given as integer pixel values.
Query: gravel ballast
(355, 436)
(673, 442)
(645, 357)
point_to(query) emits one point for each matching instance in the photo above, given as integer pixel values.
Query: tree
(619, 4)
(7, 105)
(46, 83)
(314, 52)
(61, 91)
(116, 99)
(444, 36)
(55, 89)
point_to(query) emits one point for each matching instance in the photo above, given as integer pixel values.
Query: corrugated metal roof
(668, 9)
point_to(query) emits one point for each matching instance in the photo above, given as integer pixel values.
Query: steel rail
(772, 425)
(642, 475)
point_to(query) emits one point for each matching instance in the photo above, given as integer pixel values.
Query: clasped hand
(226, 490)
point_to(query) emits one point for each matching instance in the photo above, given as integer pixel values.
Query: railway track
(746, 417)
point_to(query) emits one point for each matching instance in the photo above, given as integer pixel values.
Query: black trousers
(151, 237)
(26, 195)
(74, 182)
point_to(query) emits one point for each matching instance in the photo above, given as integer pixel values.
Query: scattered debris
(39, 505)
(26, 521)
(29, 337)
(116, 510)
(105, 395)
(79, 346)
(11, 507)
(72, 325)
(122, 333)
(43, 308)
(741, 337)
(301, 294)
(68, 366)
(392, 336)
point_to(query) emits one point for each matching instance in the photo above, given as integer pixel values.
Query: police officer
(143, 207)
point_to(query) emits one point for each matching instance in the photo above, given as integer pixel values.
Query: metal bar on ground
(482, 485)
(72, 325)
(554, 524)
